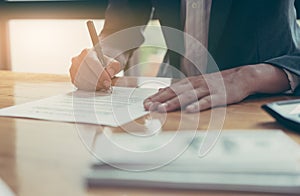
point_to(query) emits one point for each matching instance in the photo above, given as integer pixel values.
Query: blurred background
(42, 36)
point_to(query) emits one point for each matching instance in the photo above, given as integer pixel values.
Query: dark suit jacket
(241, 32)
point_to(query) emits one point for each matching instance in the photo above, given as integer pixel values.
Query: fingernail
(148, 104)
(111, 72)
(162, 107)
(106, 84)
(153, 107)
(191, 108)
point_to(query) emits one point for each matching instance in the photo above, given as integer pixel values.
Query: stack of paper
(263, 161)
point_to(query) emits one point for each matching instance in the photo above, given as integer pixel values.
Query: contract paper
(121, 106)
(5, 190)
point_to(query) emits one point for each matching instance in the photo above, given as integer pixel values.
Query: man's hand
(202, 92)
(87, 73)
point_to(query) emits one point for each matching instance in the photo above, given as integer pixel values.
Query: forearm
(264, 78)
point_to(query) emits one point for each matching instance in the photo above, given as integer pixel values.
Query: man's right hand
(87, 73)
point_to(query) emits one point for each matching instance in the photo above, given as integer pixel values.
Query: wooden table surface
(48, 158)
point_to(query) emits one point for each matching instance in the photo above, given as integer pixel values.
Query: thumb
(113, 66)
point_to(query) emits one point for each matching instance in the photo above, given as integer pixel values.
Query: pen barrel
(100, 55)
(93, 32)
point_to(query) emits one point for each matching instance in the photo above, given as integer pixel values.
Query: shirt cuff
(294, 80)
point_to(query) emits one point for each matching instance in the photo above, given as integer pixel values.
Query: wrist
(264, 78)
(249, 75)
(246, 77)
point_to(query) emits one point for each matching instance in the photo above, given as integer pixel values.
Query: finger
(85, 79)
(76, 61)
(113, 66)
(182, 100)
(96, 72)
(87, 83)
(74, 68)
(159, 97)
(73, 71)
(168, 93)
(83, 54)
(88, 73)
(206, 103)
(79, 58)
(154, 106)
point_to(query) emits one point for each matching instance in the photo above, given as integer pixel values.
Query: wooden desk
(48, 158)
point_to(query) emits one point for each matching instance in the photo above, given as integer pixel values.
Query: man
(255, 44)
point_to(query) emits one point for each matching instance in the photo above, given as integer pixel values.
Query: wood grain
(48, 158)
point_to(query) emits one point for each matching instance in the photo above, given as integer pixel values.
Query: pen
(96, 44)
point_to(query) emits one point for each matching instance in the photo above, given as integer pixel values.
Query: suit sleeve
(125, 21)
(291, 65)
(289, 59)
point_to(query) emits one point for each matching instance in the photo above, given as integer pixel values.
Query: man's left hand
(202, 92)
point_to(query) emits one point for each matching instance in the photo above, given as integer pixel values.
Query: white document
(5, 190)
(122, 106)
(256, 160)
